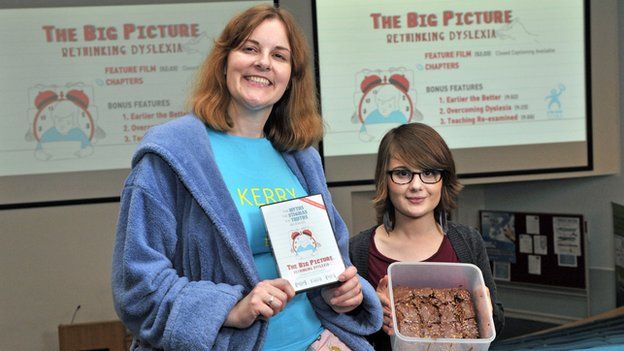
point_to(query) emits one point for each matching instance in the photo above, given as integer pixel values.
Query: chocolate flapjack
(435, 313)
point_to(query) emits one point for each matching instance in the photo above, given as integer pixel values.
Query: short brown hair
(294, 122)
(420, 147)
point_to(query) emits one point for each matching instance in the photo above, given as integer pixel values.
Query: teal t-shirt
(256, 174)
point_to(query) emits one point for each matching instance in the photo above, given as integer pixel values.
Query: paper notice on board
(502, 270)
(532, 224)
(567, 261)
(540, 245)
(567, 235)
(619, 251)
(535, 264)
(619, 269)
(526, 243)
(618, 240)
(499, 235)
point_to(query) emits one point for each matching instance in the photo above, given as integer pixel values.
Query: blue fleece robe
(181, 259)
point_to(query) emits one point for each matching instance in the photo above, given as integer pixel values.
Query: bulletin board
(536, 248)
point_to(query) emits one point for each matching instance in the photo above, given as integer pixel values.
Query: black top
(468, 245)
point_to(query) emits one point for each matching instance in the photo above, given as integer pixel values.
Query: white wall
(51, 260)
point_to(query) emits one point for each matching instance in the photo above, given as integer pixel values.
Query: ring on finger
(270, 301)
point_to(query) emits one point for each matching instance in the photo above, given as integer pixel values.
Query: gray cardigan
(468, 246)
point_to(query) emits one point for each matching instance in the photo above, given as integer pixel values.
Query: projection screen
(81, 85)
(504, 82)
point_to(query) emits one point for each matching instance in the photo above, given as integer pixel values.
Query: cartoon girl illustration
(554, 104)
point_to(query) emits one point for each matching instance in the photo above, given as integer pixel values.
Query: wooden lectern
(96, 336)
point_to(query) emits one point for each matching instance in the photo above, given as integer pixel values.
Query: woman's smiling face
(258, 72)
(414, 199)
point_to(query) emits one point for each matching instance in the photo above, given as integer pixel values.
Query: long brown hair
(420, 147)
(294, 122)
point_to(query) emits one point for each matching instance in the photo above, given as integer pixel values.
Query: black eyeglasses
(404, 176)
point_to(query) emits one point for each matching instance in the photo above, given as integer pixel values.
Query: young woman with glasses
(416, 185)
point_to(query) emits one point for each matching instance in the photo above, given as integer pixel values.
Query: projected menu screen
(499, 80)
(82, 85)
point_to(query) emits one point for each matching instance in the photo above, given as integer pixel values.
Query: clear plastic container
(443, 275)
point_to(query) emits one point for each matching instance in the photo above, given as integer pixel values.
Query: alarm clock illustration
(63, 126)
(384, 103)
(303, 243)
